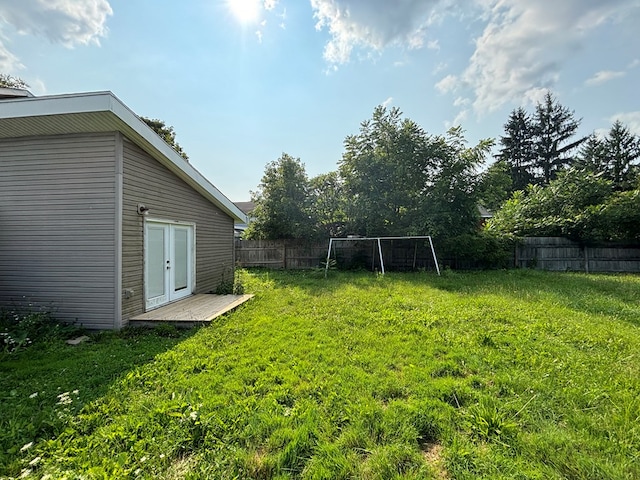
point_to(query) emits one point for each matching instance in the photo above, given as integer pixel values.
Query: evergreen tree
(517, 150)
(615, 156)
(554, 127)
(622, 150)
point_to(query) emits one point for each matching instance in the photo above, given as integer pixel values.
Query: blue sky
(242, 81)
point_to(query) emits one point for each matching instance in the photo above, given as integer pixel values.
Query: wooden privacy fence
(561, 254)
(544, 253)
(279, 254)
(287, 254)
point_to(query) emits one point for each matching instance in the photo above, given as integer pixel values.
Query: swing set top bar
(417, 237)
(378, 239)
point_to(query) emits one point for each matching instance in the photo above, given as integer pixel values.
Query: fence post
(586, 259)
(284, 254)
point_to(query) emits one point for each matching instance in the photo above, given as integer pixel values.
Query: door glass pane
(155, 262)
(181, 247)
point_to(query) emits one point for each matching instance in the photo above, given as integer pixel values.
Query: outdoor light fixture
(142, 210)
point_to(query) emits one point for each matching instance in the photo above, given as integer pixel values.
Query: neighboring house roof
(101, 112)
(246, 207)
(484, 212)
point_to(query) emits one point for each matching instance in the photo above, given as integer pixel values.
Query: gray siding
(168, 198)
(57, 217)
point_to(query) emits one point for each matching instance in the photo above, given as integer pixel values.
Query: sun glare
(246, 11)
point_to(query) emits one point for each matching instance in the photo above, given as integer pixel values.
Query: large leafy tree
(282, 202)
(384, 168)
(554, 128)
(167, 134)
(328, 204)
(449, 204)
(401, 181)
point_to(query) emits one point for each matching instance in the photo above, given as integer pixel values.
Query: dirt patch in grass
(180, 468)
(432, 453)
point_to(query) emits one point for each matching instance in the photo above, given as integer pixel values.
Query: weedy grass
(516, 374)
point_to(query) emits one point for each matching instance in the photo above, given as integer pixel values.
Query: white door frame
(167, 266)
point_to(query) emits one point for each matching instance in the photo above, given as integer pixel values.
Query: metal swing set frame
(379, 240)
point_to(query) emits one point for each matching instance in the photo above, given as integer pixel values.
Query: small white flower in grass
(64, 399)
(26, 447)
(194, 415)
(76, 392)
(137, 472)
(143, 459)
(162, 455)
(33, 395)
(25, 473)
(35, 461)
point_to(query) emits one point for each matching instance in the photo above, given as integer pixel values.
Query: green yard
(511, 374)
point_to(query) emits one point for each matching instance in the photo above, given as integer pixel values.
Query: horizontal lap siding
(168, 198)
(57, 218)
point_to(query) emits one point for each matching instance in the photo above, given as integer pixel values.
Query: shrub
(477, 251)
(22, 327)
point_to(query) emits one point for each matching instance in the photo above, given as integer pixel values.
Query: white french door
(169, 262)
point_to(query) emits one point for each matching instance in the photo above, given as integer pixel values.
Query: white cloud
(9, 63)
(387, 102)
(459, 119)
(371, 24)
(447, 84)
(630, 119)
(68, 22)
(433, 45)
(603, 76)
(461, 102)
(270, 4)
(523, 47)
(439, 68)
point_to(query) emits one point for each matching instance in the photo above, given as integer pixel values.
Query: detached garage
(100, 220)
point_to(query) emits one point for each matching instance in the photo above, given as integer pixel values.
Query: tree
(495, 186)
(592, 155)
(517, 150)
(166, 133)
(328, 204)
(553, 128)
(563, 208)
(282, 202)
(614, 156)
(622, 150)
(384, 168)
(401, 181)
(450, 203)
(8, 81)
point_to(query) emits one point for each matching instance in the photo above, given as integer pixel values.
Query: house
(247, 208)
(100, 219)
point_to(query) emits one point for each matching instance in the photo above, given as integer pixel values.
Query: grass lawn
(517, 374)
